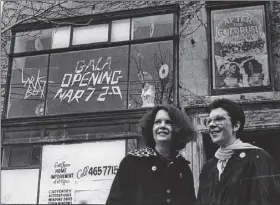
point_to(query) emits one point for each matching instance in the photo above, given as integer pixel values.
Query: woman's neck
(163, 150)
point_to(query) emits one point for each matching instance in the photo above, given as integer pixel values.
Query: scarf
(225, 153)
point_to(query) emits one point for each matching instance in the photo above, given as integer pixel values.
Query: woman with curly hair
(232, 75)
(157, 173)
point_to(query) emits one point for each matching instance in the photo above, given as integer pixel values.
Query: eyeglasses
(218, 120)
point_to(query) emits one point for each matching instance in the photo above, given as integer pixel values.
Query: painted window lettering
(86, 77)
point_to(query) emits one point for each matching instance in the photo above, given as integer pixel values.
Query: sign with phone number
(97, 171)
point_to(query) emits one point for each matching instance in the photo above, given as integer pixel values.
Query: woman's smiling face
(162, 128)
(220, 127)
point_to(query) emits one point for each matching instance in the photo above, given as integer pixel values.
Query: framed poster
(239, 48)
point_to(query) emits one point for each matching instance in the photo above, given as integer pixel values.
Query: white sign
(79, 173)
(19, 186)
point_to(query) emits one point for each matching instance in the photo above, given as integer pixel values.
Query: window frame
(9, 156)
(99, 19)
(216, 5)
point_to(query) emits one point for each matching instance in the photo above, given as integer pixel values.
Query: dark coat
(250, 177)
(145, 178)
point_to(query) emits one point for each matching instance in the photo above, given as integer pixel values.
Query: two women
(157, 173)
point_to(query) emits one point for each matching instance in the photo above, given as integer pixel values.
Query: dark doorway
(269, 140)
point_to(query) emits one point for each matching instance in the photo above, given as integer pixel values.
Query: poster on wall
(239, 48)
(79, 173)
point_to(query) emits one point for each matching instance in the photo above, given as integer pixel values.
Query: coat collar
(149, 152)
(143, 152)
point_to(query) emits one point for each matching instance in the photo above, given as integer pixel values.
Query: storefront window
(151, 74)
(239, 48)
(87, 81)
(28, 86)
(86, 77)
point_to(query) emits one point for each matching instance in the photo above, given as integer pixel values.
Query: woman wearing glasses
(157, 174)
(240, 173)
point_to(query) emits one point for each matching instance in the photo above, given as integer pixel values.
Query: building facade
(75, 87)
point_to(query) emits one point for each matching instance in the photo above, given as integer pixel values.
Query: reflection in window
(151, 74)
(5, 156)
(152, 26)
(61, 37)
(120, 30)
(90, 34)
(33, 40)
(27, 88)
(35, 155)
(87, 81)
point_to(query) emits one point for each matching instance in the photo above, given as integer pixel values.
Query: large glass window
(86, 81)
(134, 70)
(151, 74)
(28, 86)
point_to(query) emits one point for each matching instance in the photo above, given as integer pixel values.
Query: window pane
(36, 155)
(61, 37)
(5, 156)
(27, 89)
(90, 34)
(151, 74)
(120, 30)
(87, 81)
(152, 26)
(33, 40)
(20, 156)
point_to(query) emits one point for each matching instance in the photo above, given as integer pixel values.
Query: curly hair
(182, 130)
(233, 109)
(257, 67)
(237, 73)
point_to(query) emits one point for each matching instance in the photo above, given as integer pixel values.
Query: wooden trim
(272, 70)
(230, 91)
(209, 43)
(176, 57)
(98, 117)
(74, 139)
(214, 5)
